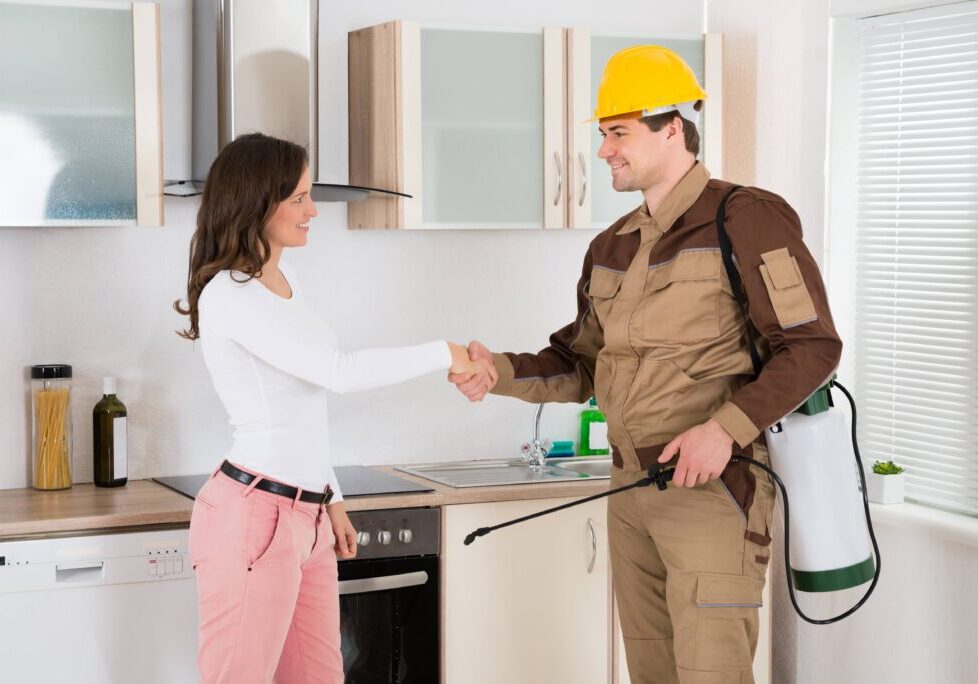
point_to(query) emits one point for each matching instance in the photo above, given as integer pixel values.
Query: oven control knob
(384, 537)
(363, 538)
(405, 536)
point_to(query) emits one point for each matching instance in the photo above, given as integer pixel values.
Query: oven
(389, 598)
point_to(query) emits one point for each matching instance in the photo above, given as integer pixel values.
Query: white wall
(918, 626)
(99, 298)
(20, 311)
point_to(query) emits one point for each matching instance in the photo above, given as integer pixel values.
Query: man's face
(634, 153)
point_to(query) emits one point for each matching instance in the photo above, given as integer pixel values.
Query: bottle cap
(108, 385)
(593, 402)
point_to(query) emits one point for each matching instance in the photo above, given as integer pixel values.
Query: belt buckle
(327, 496)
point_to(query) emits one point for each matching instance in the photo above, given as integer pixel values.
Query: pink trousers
(267, 587)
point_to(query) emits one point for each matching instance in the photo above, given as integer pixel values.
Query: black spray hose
(660, 477)
(655, 475)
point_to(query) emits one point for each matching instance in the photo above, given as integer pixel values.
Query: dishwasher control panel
(165, 561)
(65, 562)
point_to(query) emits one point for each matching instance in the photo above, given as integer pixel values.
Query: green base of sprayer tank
(819, 401)
(834, 580)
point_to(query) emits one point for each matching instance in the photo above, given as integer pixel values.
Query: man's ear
(675, 128)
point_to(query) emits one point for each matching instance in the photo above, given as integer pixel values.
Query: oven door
(389, 620)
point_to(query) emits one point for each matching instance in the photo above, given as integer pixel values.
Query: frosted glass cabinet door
(600, 205)
(69, 107)
(482, 128)
(469, 122)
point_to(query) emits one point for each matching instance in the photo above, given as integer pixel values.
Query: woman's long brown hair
(245, 184)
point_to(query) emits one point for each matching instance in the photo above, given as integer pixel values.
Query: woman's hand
(476, 370)
(475, 386)
(346, 536)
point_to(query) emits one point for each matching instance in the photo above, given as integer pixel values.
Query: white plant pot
(884, 489)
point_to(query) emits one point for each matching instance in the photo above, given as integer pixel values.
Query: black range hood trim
(321, 192)
(331, 192)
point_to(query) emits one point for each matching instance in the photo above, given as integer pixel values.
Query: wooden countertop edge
(85, 508)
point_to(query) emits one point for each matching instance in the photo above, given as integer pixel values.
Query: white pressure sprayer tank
(829, 541)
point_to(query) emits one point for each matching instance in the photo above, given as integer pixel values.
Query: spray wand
(656, 475)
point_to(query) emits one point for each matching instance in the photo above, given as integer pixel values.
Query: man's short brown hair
(692, 136)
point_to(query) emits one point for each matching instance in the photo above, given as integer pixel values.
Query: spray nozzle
(657, 476)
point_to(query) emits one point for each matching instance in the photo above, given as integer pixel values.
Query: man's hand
(473, 385)
(704, 452)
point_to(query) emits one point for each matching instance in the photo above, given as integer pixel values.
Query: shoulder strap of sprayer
(733, 275)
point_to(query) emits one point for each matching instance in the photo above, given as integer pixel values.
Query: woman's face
(289, 225)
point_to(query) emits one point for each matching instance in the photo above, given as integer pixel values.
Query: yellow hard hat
(645, 78)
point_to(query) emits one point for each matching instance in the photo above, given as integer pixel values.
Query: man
(661, 342)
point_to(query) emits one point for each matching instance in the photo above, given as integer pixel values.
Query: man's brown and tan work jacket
(659, 339)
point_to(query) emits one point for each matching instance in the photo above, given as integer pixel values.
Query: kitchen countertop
(85, 507)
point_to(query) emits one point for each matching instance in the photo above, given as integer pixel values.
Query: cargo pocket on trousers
(728, 622)
(790, 298)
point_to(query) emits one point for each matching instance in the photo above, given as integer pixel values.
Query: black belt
(273, 487)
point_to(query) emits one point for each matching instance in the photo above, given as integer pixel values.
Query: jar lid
(50, 371)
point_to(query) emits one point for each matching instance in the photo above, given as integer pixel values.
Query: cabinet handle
(594, 545)
(560, 179)
(580, 158)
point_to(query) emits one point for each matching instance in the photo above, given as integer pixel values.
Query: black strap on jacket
(733, 275)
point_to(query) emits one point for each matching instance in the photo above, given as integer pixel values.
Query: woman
(268, 526)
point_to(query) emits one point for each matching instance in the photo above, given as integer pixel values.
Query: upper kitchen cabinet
(80, 114)
(488, 128)
(470, 122)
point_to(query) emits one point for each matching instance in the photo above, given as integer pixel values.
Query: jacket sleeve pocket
(790, 298)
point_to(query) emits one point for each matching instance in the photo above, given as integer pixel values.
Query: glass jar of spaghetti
(51, 444)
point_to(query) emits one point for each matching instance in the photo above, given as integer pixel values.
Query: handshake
(473, 370)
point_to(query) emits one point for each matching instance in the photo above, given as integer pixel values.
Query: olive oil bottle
(109, 433)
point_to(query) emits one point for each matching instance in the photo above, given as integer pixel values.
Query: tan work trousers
(688, 567)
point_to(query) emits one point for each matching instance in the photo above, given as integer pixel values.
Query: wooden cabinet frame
(385, 124)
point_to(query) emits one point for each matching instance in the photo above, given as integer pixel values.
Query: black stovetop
(354, 481)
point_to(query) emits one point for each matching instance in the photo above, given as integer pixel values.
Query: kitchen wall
(99, 298)
(20, 307)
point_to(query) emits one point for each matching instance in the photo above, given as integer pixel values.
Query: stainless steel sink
(509, 472)
(592, 467)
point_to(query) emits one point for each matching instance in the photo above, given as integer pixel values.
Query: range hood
(255, 68)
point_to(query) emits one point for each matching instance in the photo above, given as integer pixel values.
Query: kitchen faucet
(535, 452)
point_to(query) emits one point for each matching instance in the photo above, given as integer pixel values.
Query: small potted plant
(884, 484)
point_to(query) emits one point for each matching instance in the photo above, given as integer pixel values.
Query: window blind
(916, 300)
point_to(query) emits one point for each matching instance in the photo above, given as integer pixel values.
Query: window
(916, 249)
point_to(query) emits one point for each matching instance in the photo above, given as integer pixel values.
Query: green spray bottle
(594, 431)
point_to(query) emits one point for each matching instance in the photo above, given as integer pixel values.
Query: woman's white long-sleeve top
(273, 362)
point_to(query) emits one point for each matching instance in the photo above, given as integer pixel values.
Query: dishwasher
(111, 607)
